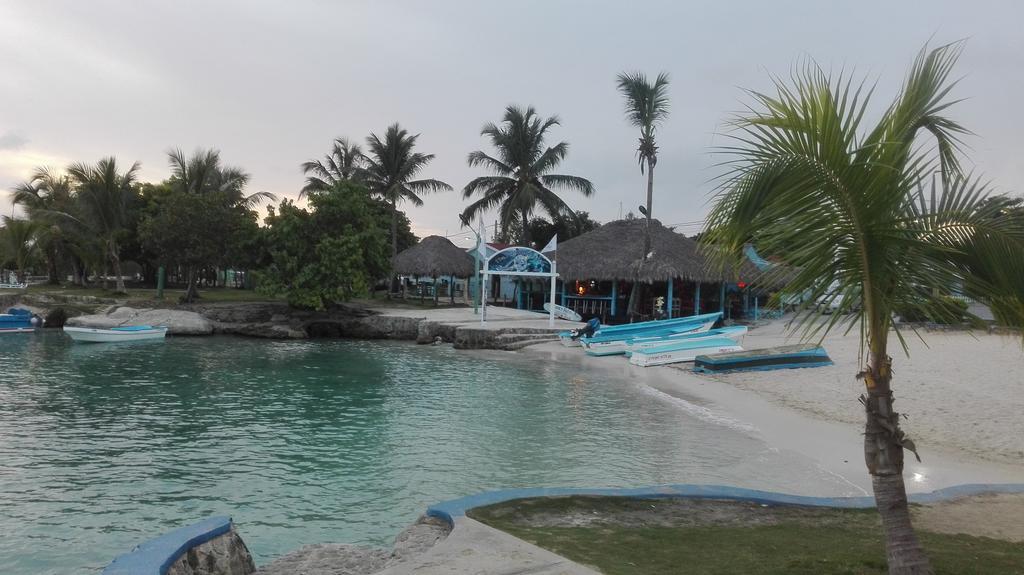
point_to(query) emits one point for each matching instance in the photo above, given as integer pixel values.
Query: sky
(271, 84)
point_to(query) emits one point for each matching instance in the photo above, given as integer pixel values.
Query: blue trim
(450, 510)
(615, 296)
(155, 557)
(670, 289)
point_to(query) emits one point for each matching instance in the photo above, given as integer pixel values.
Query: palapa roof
(614, 251)
(434, 256)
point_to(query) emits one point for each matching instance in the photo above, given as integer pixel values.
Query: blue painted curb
(155, 557)
(450, 510)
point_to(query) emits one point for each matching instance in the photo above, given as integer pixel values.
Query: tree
(345, 162)
(106, 195)
(202, 174)
(846, 208)
(391, 169)
(18, 243)
(646, 108)
(565, 228)
(327, 254)
(522, 180)
(46, 197)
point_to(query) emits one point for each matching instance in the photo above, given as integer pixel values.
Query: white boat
(682, 350)
(616, 340)
(735, 333)
(17, 329)
(116, 334)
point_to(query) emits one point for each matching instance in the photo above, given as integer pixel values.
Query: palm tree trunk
(51, 265)
(115, 259)
(883, 454)
(191, 293)
(633, 293)
(650, 196)
(392, 286)
(526, 237)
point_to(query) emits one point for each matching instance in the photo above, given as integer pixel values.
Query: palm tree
(345, 162)
(646, 108)
(523, 181)
(202, 173)
(46, 197)
(105, 195)
(391, 167)
(17, 243)
(847, 210)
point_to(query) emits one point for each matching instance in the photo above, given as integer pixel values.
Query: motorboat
(682, 350)
(115, 334)
(781, 357)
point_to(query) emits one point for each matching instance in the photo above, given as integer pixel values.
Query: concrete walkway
(498, 318)
(473, 548)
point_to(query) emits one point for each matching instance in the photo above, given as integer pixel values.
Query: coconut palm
(105, 196)
(46, 197)
(845, 207)
(202, 173)
(390, 172)
(18, 243)
(345, 162)
(522, 182)
(647, 107)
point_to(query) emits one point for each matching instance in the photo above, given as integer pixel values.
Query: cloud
(12, 141)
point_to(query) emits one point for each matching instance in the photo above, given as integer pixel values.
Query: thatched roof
(614, 250)
(434, 256)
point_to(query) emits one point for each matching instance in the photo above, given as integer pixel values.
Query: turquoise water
(103, 446)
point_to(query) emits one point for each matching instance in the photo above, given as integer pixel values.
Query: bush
(943, 310)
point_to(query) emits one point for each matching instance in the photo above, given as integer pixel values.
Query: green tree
(345, 162)
(647, 107)
(329, 253)
(18, 243)
(565, 228)
(846, 209)
(46, 198)
(522, 180)
(203, 174)
(391, 170)
(105, 196)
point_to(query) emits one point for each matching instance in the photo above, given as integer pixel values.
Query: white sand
(961, 391)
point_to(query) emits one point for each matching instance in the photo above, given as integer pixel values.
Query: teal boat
(614, 340)
(683, 350)
(782, 357)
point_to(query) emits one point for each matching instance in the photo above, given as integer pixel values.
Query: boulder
(178, 322)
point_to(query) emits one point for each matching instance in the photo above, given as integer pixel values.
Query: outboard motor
(587, 330)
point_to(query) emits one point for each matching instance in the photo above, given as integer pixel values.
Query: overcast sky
(271, 84)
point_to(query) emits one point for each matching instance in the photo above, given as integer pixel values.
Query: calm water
(103, 446)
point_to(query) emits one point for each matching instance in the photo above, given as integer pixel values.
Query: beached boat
(614, 340)
(782, 357)
(735, 333)
(116, 334)
(18, 321)
(682, 350)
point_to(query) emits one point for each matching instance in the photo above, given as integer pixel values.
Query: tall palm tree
(105, 195)
(345, 162)
(203, 173)
(17, 243)
(391, 169)
(523, 181)
(45, 198)
(845, 208)
(647, 107)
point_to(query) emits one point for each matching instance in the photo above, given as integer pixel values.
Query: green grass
(791, 541)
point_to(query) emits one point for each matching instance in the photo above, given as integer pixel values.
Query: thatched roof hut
(434, 257)
(615, 250)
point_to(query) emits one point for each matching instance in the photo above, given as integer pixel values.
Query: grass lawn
(632, 537)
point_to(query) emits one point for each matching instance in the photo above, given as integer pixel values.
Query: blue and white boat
(682, 350)
(614, 340)
(735, 333)
(18, 320)
(115, 334)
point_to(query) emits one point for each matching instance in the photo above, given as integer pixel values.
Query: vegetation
(647, 107)
(848, 210)
(344, 163)
(542, 230)
(523, 181)
(792, 541)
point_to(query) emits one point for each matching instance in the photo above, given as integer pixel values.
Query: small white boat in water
(116, 334)
(682, 350)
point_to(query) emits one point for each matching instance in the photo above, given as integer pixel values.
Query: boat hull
(617, 345)
(782, 357)
(683, 352)
(97, 335)
(735, 333)
(17, 329)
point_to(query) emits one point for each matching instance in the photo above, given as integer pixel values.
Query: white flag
(552, 245)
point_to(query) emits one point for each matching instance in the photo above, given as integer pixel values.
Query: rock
(222, 555)
(179, 322)
(328, 559)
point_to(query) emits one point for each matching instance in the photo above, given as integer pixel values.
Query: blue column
(696, 300)
(721, 299)
(615, 296)
(670, 285)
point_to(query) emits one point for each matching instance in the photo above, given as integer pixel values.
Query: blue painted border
(155, 557)
(450, 510)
